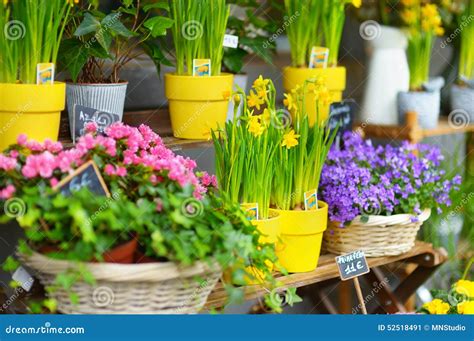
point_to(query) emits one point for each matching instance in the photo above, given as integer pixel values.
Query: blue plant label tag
(352, 265)
(202, 67)
(24, 278)
(231, 41)
(45, 73)
(311, 200)
(251, 211)
(318, 57)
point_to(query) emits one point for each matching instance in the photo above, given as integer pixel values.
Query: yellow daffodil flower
(255, 127)
(290, 139)
(289, 102)
(356, 3)
(266, 116)
(262, 93)
(409, 16)
(437, 307)
(260, 83)
(465, 288)
(254, 101)
(466, 308)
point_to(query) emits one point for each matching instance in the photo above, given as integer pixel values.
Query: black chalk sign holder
(351, 266)
(87, 175)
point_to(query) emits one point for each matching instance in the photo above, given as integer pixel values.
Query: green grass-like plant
(466, 58)
(198, 33)
(32, 34)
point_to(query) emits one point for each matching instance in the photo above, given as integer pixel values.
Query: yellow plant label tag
(201, 67)
(45, 73)
(318, 57)
(251, 210)
(311, 200)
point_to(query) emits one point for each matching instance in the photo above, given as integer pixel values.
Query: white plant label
(231, 41)
(24, 278)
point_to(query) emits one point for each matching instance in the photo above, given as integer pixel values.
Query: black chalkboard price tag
(88, 175)
(83, 115)
(350, 266)
(342, 114)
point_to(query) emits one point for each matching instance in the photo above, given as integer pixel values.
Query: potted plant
(31, 35)
(307, 19)
(302, 149)
(186, 228)
(99, 45)
(198, 104)
(245, 157)
(424, 24)
(462, 94)
(379, 197)
(249, 23)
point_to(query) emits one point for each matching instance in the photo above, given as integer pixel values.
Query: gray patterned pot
(104, 97)
(462, 98)
(425, 103)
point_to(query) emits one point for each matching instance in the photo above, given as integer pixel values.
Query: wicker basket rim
(392, 219)
(151, 272)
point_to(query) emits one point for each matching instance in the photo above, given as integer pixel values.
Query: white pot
(462, 98)
(241, 81)
(104, 97)
(426, 104)
(388, 74)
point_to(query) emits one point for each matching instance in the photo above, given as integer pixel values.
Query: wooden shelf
(158, 120)
(422, 253)
(411, 130)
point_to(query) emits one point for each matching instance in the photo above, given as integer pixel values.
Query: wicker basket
(379, 236)
(153, 288)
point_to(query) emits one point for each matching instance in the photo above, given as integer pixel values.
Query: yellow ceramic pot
(301, 234)
(335, 82)
(197, 104)
(34, 110)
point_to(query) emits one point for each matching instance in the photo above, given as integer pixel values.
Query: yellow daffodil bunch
(423, 22)
(32, 34)
(246, 147)
(303, 148)
(262, 156)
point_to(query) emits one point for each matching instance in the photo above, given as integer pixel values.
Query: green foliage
(94, 37)
(253, 29)
(466, 55)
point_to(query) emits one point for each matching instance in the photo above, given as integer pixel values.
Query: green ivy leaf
(157, 5)
(10, 264)
(112, 22)
(88, 25)
(158, 25)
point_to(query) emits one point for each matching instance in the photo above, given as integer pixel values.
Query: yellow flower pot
(335, 82)
(197, 104)
(34, 110)
(301, 234)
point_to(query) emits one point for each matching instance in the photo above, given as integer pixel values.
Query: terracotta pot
(122, 254)
(141, 258)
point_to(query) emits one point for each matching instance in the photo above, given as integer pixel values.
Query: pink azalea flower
(109, 170)
(21, 139)
(91, 127)
(7, 163)
(7, 192)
